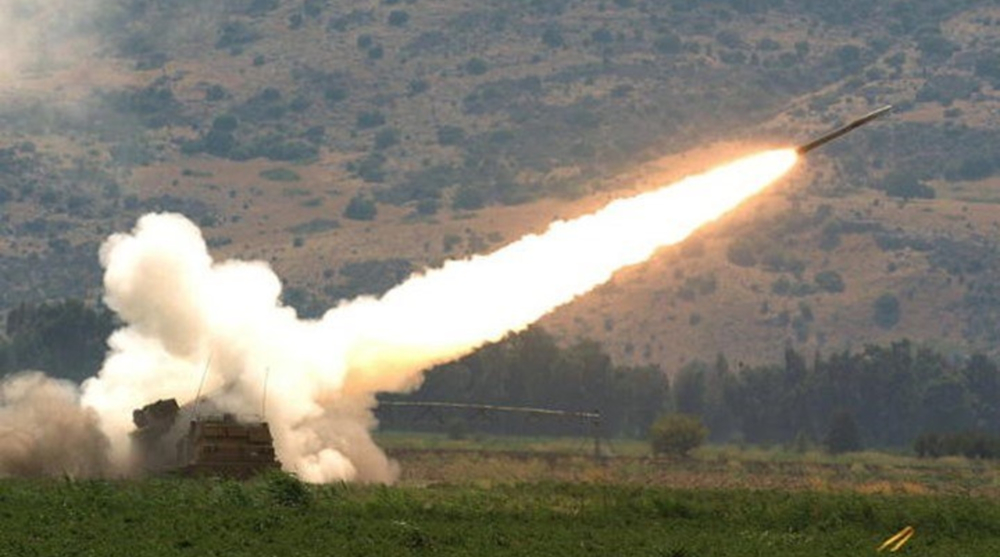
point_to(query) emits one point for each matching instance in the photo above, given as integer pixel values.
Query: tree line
(65, 339)
(892, 395)
(883, 396)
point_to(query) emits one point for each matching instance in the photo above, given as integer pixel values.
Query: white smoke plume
(188, 315)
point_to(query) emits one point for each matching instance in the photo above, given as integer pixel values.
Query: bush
(741, 253)
(476, 66)
(261, 7)
(386, 138)
(972, 167)
(947, 88)
(602, 36)
(155, 105)
(468, 198)
(276, 148)
(370, 119)
(907, 186)
(669, 43)
(313, 8)
(361, 207)
(287, 491)
(218, 143)
(428, 206)
(225, 123)
(677, 434)
(450, 135)
(552, 37)
(935, 48)
(314, 226)
(215, 93)
(886, 311)
(280, 174)
(830, 281)
(781, 286)
(235, 34)
(417, 86)
(369, 168)
(988, 67)
(398, 18)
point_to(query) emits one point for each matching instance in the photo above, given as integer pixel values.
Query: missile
(828, 137)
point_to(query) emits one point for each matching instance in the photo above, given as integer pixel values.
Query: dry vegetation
(427, 460)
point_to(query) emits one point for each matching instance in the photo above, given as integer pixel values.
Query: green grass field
(279, 516)
(528, 496)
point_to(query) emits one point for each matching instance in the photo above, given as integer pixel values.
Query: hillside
(352, 143)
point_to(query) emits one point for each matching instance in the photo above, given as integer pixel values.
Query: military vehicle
(210, 445)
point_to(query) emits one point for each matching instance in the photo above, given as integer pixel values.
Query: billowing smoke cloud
(185, 312)
(44, 431)
(189, 316)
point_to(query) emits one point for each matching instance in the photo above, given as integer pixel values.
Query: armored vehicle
(211, 445)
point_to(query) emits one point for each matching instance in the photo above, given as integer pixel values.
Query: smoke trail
(182, 310)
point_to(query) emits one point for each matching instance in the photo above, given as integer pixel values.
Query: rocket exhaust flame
(483, 298)
(323, 375)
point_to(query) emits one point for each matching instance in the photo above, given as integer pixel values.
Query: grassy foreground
(277, 515)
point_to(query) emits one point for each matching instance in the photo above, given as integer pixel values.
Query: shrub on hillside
(234, 35)
(830, 281)
(552, 37)
(386, 138)
(450, 135)
(398, 18)
(476, 66)
(361, 207)
(370, 119)
(886, 311)
(741, 253)
(906, 185)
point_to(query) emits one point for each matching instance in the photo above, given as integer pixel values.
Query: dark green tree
(842, 435)
(689, 388)
(66, 339)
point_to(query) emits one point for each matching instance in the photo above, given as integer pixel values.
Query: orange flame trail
(448, 312)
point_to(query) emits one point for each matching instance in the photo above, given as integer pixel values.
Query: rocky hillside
(351, 143)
